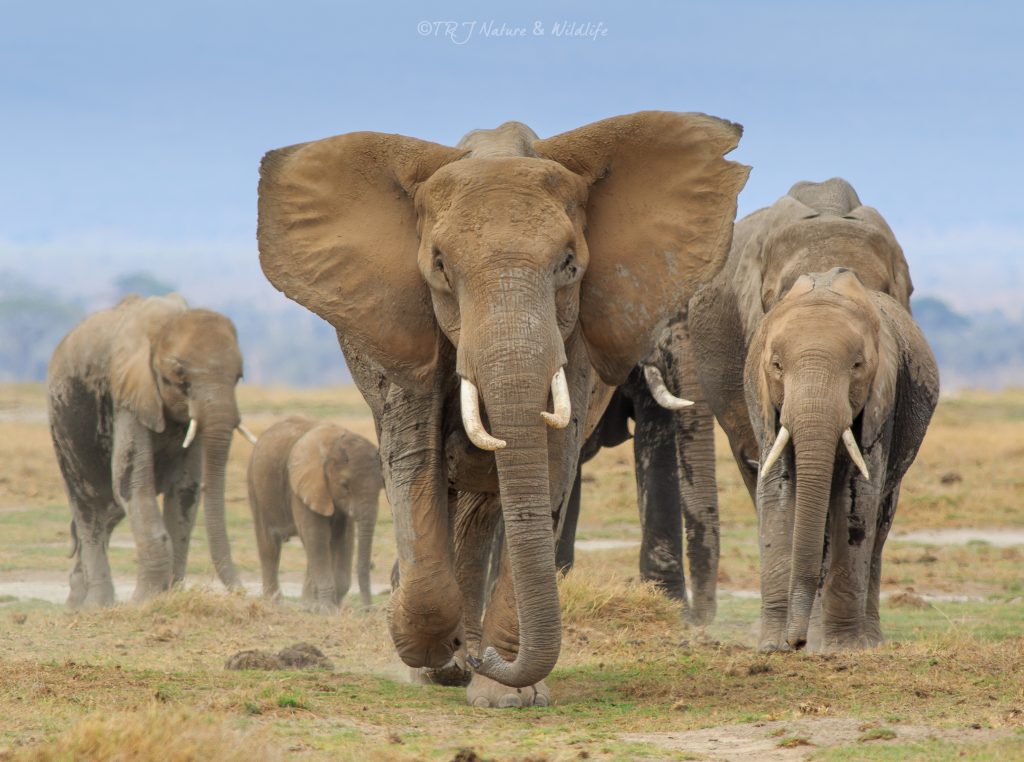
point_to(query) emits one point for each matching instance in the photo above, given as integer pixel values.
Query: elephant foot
(148, 587)
(95, 598)
(484, 692)
(323, 608)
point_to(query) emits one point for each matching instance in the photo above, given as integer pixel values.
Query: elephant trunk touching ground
(217, 417)
(815, 413)
(514, 377)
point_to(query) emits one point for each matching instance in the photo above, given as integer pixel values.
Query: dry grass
(69, 681)
(154, 733)
(613, 602)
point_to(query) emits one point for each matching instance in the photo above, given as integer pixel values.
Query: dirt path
(798, 739)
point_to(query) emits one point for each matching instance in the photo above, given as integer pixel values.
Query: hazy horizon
(134, 133)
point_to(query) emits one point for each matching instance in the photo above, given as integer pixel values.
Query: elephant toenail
(540, 700)
(481, 701)
(509, 700)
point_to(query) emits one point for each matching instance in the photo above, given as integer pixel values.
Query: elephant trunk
(816, 423)
(514, 368)
(217, 422)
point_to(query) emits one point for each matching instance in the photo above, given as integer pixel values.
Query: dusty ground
(632, 682)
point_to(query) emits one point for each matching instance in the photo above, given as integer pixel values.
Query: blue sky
(133, 131)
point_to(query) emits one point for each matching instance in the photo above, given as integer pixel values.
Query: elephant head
(171, 362)
(821, 372)
(599, 234)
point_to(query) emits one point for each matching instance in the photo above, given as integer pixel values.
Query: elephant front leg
(135, 493)
(501, 632)
(853, 527)
(318, 590)
(775, 538)
(181, 506)
(343, 531)
(425, 610)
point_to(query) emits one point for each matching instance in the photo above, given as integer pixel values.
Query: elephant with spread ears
(825, 387)
(322, 482)
(486, 298)
(141, 401)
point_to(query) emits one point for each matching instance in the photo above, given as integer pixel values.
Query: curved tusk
(470, 399)
(660, 392)
(193, 427)
(781, 440)
(247, 434)
(560, 396)
(851, 447)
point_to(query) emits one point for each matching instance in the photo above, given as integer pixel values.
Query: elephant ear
(307, 473)
(906, 387)
(337, 233)
(659, 223)
(132, 380)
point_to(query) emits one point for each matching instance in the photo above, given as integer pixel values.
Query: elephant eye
(777, 365)
(184, 386)
(858, 364)
(567, 265)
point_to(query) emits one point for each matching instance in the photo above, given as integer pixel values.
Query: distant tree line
(290, 347)
(293, 347)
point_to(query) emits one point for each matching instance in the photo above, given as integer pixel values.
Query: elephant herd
(505, 306)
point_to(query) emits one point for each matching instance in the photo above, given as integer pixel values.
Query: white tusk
(851, 447)
(470, 399)
(660, 392)
(193, 427)
(560, 396)
(780, 444)
(247, 434)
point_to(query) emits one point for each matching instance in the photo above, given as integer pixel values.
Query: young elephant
(319, 481)
(129, 389)
(826, 382)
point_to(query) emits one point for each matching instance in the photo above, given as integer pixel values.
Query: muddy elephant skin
(128, 389)
(825, 389)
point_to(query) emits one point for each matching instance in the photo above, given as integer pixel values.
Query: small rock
(951, 477)
(253, 660)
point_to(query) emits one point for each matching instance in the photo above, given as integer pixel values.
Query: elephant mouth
(783, 437)
(469, 400)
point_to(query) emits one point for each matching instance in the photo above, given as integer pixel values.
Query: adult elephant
(467, 285)
(141, 402)
(825, 382)
(674, 463)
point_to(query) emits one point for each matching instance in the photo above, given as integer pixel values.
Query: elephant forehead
(484, 182)
(822, 317)
(819, 244)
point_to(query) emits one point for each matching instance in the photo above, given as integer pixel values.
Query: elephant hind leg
(93, 519)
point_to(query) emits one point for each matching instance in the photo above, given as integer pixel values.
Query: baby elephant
(319, 481)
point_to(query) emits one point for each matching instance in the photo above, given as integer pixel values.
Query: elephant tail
(74, 540)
